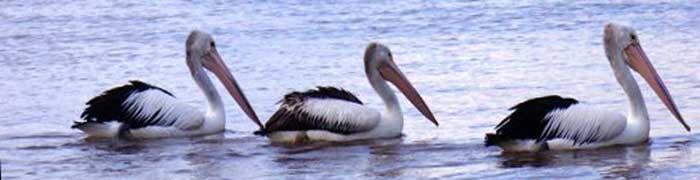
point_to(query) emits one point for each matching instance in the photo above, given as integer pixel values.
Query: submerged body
(553, 122)
(332, 114)
(141, 110)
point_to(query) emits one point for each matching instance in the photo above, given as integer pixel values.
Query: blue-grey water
(470, 61)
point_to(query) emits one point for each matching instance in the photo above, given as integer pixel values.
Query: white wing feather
(337, 112)
(170, 110)
(584, 124)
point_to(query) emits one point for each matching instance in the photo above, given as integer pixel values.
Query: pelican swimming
(140, 110)
(332, 114)
(553, 122)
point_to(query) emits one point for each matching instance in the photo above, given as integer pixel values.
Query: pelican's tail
(493, 139)
(98, 129)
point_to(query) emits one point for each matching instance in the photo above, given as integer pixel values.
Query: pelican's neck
(638, 109)
(215, 108)
(393, 109)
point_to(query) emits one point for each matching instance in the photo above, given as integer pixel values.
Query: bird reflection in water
(615, 161)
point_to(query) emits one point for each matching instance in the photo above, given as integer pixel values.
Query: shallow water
(469, 60)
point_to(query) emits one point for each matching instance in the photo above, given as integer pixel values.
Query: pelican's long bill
(217, 66)
(391, 73)
(638, 60)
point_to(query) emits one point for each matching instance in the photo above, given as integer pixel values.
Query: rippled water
(470, 61)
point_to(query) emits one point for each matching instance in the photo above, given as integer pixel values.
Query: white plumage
(140, 110)
(584, 123)
(158, 108)
(356, 117)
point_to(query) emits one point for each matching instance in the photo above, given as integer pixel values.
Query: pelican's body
(141, 110)
(553, 122)
(332, 114)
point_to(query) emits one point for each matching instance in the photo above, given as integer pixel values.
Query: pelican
(140, 110)
(554, 122)
(333, 114)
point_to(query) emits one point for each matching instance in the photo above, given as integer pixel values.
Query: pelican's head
(202, 53)
(623, 48)
(380, 62)
(201, 50)
(617, 39)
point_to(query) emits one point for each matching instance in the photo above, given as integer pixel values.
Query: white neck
(638, 114)
(215, 110)
(393, 114)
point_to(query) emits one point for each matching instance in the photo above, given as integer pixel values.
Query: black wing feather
(290, 116)
(528, 121)
(321, 93)
(110, 106)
